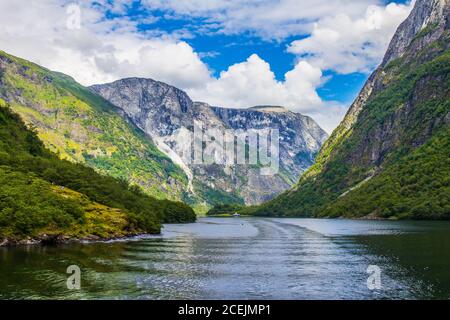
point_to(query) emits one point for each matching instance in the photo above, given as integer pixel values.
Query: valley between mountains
(133, 130)
(107, 161)
(102, 162)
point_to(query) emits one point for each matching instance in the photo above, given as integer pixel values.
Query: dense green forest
(42, 194)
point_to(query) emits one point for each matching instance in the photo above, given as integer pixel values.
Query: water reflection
(243, 259)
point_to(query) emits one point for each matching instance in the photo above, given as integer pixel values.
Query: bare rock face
(300, 136)
(168, 115)
(425, 14)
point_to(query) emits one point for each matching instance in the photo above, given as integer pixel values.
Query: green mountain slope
(389, 157)
(84, 128)
(42, 196)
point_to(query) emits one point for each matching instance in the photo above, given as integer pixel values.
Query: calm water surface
(243, 258)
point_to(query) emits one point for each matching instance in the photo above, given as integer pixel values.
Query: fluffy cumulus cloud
(341, 35)
(347, 45)
(100, 50)
(253, 83)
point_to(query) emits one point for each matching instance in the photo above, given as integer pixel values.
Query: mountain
(168, 115)
(46, 199)
(84, 128)
(139, 136)
(389, 157)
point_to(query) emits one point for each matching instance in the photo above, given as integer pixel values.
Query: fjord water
(243, 258)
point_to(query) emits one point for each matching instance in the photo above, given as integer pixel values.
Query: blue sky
(312, 56)
(220, 51)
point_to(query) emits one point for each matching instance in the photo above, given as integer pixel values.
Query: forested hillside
(43, 197)
(389, 158)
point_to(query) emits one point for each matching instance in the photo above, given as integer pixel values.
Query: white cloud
(253, 83)
(329, 115)
(348, 45)
(104, 50)
(270, 19)
(101, 51)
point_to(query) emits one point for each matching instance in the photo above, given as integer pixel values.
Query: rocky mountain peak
(140, 94)
(167, 115)
(431, 14)
(429, 17)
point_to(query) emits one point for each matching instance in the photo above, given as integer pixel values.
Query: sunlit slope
(84, 128)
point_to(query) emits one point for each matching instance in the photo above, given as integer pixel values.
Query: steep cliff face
(389, 156)
(168, 115)
(300, 136)
(428, 17)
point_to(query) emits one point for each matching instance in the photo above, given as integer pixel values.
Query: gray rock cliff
(167, 115)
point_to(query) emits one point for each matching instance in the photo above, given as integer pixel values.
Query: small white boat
(236, 214)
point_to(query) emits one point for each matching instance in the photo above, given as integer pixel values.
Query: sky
(310, 56)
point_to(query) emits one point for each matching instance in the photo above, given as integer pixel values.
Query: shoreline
(60, 239)
(365, 218)
(51, 241)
